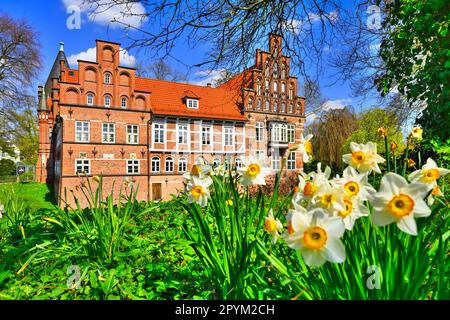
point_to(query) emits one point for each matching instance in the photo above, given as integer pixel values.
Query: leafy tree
(368, 124)
(330, 132)
(416, 52)
(7, 167)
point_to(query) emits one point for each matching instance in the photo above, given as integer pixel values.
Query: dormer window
(192, 103)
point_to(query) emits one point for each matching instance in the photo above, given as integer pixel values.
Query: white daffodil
(253, 171)
(364, 157)
(318, 239)
(429, 173)
(297, 218)
(198, 191)
(354, 209)
(273, 226)
(355, 185)
(399, 202)
(2, 209)
(436, 192)
(200, 170)
(309, 184)
(305, 147)
(329, 197)
(219, 170)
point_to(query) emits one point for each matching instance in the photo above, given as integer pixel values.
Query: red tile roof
(167, 98)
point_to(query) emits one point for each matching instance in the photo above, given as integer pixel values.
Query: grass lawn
(36, 195)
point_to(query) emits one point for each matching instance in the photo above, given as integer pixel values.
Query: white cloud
(296, 25)
(207, 76)
(125, 59)
(335, 104)
(107, 12)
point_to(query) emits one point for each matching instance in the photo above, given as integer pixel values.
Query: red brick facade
(102, 119)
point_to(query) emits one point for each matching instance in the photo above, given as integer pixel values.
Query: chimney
(208, 84)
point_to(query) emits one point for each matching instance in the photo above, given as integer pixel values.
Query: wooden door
(156, 191)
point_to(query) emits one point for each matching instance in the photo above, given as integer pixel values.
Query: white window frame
(267, 105)
(275, 107)
(83, 163)
(84, 125)
(132, 137)
(275, 132)
(133, 164)
(259, 126)
(169, 161)
(206, 134)
(276, 163)
(108, 132)
(192, 103)
(283, 107)
(183, 133)
(182, 165)
(107, 78)
(156, 161)
(228, 135)
(123, 102)
(291, 133)
(283, 133)
(291, 162)
(90, 96)
(260, 154)
(107, 98)
(159, 130)
(216, 162)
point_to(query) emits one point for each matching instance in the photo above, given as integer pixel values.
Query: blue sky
(50, 18)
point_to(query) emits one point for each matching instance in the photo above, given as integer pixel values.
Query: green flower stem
(387, 154)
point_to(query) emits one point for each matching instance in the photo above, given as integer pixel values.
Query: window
(82, 166)
(291, 92)
(238, 163)
(267, 105)
(182, 133)
(216, 163)
(258, 88)
(182, 165)
(291, 108)
(275, 87)
(276, 132)
(283, 87)
(155, 164)
(283, 107)
(82, 131)
(206, 135)
(169, 164)
(258, 106)
(123, 102)
(90, 99)
(259, 128)
(107, 101)
(275, 107)
(267, 71)
(275, 162)
(107, 78)
(228, 136)
(132, 134)
(275, 70)
(291, 133)
(283, 71)
(266, 87)
(192, 103)
(158, 133)
(132, 166)
(283, 133)
(291, 161)
(250, 103)
(259, 154)
(108, 133)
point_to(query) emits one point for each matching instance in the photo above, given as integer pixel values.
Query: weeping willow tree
(330, 131)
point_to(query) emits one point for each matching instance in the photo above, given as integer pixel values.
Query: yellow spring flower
(382, 132)
(229, 202)
(429, 173)
(416, 133)
(364, 157)
(96, 179)
(273, 226)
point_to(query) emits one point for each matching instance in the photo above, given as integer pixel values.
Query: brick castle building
(102, 119)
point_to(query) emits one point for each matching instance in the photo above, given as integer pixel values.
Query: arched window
(283, 133)
(155, 164)
(291, 108)
(182, 165)
(283, 107)
(90, 99)
(266, 87)
(259, 105)
(283, 87)
(123, 102)
(258, 87)
(267, 105)
(275, 87)
(291, 91)
(276, 132)
(107, 101)
(275, 70)
(108, 78)
(169, 164)
(267, 70)
(250, 103)
(275, 107)
(283, 71)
